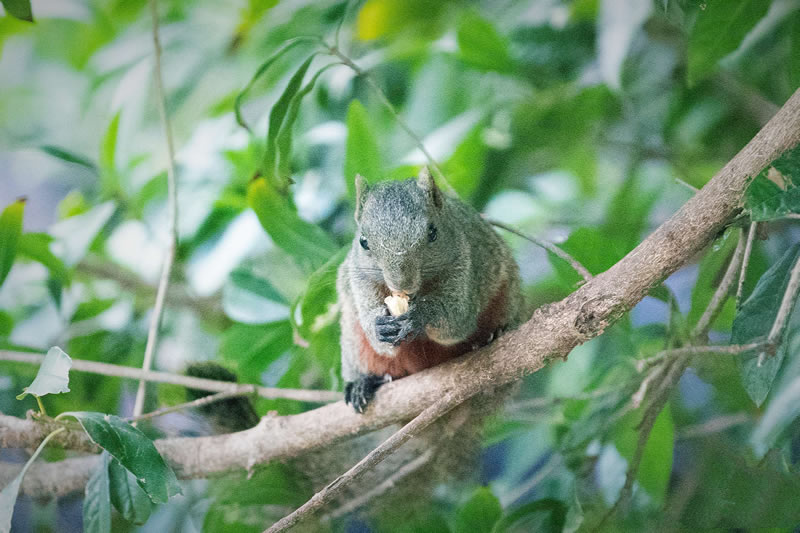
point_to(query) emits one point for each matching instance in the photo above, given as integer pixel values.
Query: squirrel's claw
(360, 392)
(395, 329)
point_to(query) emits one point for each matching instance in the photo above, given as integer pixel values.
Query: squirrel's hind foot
(360, 392)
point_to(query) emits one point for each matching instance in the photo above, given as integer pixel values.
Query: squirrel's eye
(363, 243)
(432, 233)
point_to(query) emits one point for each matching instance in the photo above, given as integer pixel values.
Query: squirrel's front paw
(396, 329)
(360, 392)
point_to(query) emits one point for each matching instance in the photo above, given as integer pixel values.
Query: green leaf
(284, 140)
(257, 285)
(754, 321)
(108, 145)
(712, 269)
(133, 450)
(480, 513)
(53, 375)
(307, 243)
(254, 348)
(465, 166)
(719, 30)
(75, 234)
(656, 465)
(91, 309)
(10, 231)
(6, 324)
(36, 246)
(319, 295)
(276, 120)
(545, 516)
(262, 69)
(69, 157)
(765, 200)
(20, 9)
(96, 501)
(481, 45)
(362, 153)
(126, 494)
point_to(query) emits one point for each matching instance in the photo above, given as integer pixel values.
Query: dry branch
(553, 331)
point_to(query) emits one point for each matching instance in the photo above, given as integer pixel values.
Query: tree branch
(212, 385)
(420, 422)
(553, 331)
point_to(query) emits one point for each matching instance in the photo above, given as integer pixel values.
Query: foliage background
(572, 120)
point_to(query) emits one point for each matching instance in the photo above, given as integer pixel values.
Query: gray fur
(451, 280)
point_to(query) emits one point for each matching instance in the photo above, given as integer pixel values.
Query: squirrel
(437, 254)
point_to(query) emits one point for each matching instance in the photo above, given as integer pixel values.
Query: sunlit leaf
(481, 45)
(96, 501)
(127, 496)
(53, 375)
(480, 513)
(362, 153)
(20, 9)
(754, 321)
(308, 244)
(10, 231)
(74, 235)
(133, 450)
(720, 27)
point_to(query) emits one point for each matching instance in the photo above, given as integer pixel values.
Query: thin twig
(382, 488)
(687, 185)
(423, 420)
(549, 246)
(390, 107)
(108, 369)
(721, 294)
(244, 390)
(731, 349)
(172, 201)
(784, 311)
(715, 425)
(748, 249)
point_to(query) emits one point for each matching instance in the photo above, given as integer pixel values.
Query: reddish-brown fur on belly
(423, 353)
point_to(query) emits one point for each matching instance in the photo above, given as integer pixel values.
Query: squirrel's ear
(426, 183)
(361, 194)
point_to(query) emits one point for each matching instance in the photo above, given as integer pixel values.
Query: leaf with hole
(53, 375)
(754, 321)
(133, 449)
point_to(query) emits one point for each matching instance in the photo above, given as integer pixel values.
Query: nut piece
(397, 303)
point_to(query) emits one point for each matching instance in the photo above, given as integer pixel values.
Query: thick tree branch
(553, 331)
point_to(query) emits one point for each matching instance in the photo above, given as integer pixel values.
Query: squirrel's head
(403, 230)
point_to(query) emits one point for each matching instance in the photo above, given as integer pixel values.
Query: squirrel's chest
(421, 353)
